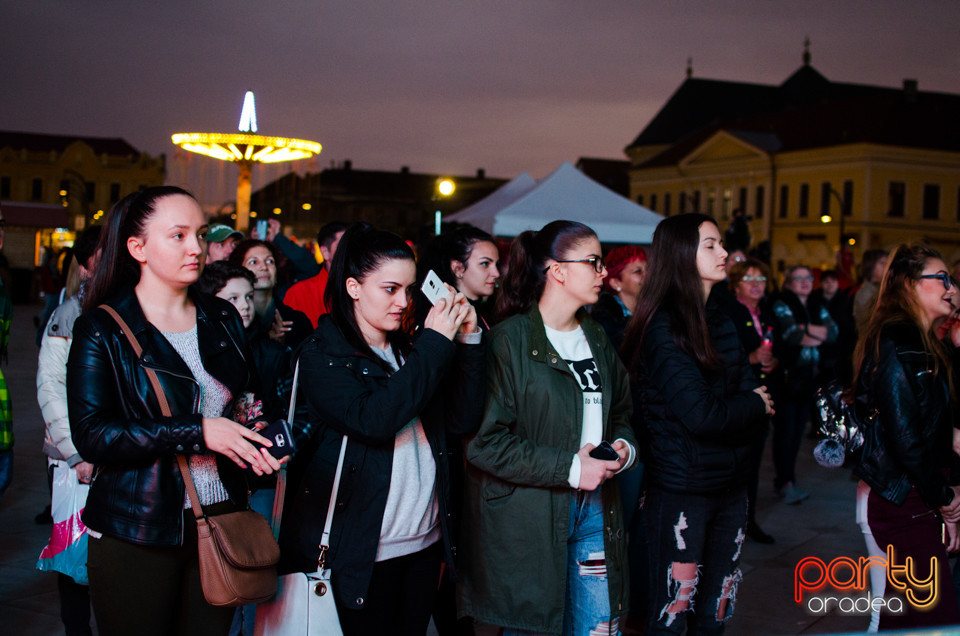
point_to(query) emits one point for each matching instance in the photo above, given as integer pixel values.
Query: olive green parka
(517, 498)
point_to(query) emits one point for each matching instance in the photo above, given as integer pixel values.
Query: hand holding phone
(433, 288)
(279, 433)
(605, 452)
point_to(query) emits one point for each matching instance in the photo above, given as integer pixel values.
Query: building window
(114, 192)
(653, 202)
(36, 190)
(682, 204)
(4, 187)
(897, 196)
(666, 204)
(639, 199)
(825, 198)
(804, 209)
(761, 195)
(784, 200)
(742, 199)
(696, 200)
(91, 192)
(848, 198)
(931, 201)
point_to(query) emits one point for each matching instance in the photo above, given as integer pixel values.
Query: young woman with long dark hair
(904, 374)
(700, 407)
(544, 547)
(142, 563)
(396, 401)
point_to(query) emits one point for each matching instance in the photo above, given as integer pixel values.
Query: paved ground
(823, 527)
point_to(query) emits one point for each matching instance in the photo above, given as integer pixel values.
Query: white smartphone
(433, 288)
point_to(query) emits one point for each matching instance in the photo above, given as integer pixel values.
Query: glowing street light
(245, 149)
(445, 187)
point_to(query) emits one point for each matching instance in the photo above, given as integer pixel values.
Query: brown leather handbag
(238, 553)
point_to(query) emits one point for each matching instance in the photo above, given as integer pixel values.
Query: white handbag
(304, 604)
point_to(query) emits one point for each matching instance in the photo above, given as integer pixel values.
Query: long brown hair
(673, 284)
(897, 302)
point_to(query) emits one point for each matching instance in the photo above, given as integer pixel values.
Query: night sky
(447, 87)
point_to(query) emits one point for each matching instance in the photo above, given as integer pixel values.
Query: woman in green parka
(543, 545)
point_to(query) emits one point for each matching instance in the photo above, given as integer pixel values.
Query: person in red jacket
(307, 295)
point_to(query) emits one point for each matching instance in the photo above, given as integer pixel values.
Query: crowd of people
(566, 442)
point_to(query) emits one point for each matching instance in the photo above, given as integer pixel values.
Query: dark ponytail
(525, 279)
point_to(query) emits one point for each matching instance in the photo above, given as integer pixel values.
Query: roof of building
(38, 142)
(806, 111)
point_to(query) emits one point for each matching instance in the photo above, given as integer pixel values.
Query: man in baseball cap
(221, 239)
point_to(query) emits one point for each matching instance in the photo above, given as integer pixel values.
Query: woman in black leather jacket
(143, 567)
(700, 406)
(396, 403)
(904, 374)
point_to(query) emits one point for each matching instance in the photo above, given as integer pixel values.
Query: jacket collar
(128, 306)
(543, 351)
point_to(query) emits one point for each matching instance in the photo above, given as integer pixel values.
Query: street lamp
(827, 218)
(445, 188)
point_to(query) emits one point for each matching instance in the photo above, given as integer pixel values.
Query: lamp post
(827, 218)
(445, 188)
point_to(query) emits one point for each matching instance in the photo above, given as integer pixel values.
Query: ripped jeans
(587, 611)
(694, 543)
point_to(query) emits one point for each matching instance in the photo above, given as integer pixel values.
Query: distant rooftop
(805, 111)
(38, 142)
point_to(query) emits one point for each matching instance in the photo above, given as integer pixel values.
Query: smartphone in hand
(279, 434)
(605, 452)
(433, 288)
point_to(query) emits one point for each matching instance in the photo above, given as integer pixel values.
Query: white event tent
(525, 204)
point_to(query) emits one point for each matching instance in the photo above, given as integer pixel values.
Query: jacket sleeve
(373, 413)
(901, 423)
(304, 264)
(464, 390)
(496, 448)
(790, 331)
(52, 392)
(103, 430)
(621, 408)
(686, 392)
(833, 331)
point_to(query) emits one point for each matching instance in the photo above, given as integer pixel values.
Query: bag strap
(164, 408)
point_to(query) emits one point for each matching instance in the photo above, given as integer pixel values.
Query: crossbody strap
(280, 494)
(164, 408)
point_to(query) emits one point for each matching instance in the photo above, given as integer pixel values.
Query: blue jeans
(694, 543)
(587, 607)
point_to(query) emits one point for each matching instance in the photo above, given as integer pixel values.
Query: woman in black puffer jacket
(700, 406)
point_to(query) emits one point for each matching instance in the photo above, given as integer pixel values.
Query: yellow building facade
(888, 158)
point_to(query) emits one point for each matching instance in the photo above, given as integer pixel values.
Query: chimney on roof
(347, 164)
(689, 67)
(404, 169)
(910, 90)
(481, 173)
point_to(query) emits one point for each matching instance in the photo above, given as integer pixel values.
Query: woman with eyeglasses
(543, 539)
(904, 374)
(805, 324)
(751, 283)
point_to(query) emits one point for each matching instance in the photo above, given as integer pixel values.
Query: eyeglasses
(754, 279)
(597, 261)
(803, 279)
(945, 278)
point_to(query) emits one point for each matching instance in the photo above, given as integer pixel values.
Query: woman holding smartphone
(396, 401)
(701, 408)
(544, 546)
(143, 561)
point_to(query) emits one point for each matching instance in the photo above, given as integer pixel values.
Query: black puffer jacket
(348, 392)
(698, 425)
(910, 445)
(137, 494)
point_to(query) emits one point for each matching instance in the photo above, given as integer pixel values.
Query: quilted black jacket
(698, 424)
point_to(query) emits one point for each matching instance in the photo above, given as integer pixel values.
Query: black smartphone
(605, 452)
(279, 434)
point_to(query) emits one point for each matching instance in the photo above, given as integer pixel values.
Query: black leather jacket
(137, 493)
(910, 445)
(698, 425)
(348, 392)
